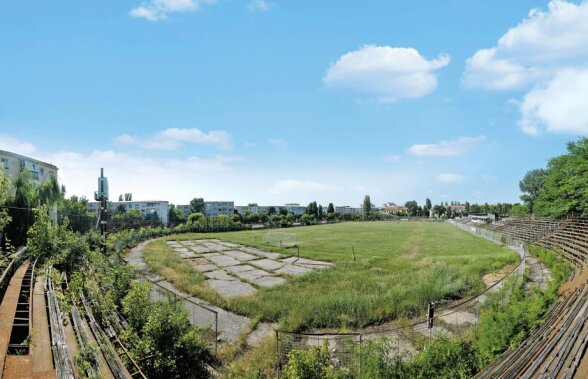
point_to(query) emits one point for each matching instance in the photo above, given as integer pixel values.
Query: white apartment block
(12, 164)
(217, 208)
(145, 207)
(211, 208)
(294, 208)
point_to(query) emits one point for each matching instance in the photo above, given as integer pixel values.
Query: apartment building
(12, 164)
(149, 207)
(346, 209)
(211, 208)
(217, 208)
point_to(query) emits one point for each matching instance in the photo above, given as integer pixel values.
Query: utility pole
(102, 196)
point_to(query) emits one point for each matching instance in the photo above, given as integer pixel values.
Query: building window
(42, 171)
(5, 163)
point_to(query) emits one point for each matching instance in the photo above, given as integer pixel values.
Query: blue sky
(294, 101)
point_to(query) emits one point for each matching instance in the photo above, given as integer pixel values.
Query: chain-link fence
(346, 349)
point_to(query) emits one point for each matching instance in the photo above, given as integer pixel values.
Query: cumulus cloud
(546, 54)
(175, 138)
(459, 146)
(558, 106)
(535, 49)
(16, 146)
(291, 186)
(156, 10)
(449, 178)
(259, 6)
(146, 177)
(386, 73)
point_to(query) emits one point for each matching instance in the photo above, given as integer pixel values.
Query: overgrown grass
(164, 261)
(398, 269)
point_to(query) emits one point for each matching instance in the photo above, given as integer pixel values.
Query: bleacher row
(558, 348)
(525, 229)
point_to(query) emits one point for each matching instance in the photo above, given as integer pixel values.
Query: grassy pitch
(398, 268)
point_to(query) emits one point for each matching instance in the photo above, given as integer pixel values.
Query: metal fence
(346, 349)
(200, 315)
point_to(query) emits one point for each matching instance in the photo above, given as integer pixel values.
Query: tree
(283, 211)
(565, 188)
(367, 206)
(428, 206)
(320, 211)
(412, 207)
(128, 196)
(120, 209)
(4, 217)
(330, 208)
(271, 211)
(531, 185)
(467, 208)
(120, 198)
(174, 215)
(519, 210)
(196, 217)
(197, 205)
(312, 209)
(439, 210)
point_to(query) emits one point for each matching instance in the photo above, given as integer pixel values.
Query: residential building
(217, 208)
(346, 209)
(146, 208)
(12, 164)
(393, 208)
(294, 208)
(185, 209)
(211, 208)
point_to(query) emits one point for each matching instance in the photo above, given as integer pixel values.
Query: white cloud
(276, 141)
(291, 186)
(392, 158)
(175, 138)
(386, 73)
(535, 49)
(546, 54)
(259, 6)
(16, 146)
(559, 106)
(459, 146)
(146, 177)
(449, 178)
(156, 10)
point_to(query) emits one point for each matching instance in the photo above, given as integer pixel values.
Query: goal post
(280, 239)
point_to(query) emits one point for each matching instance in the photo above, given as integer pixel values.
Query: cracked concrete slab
(205, 268)
(223, 260)
(267, 264)
(293, 270)
(268, 281)
(240, 268)
(239, 255)
(261, 253)
(231, 288)
(252, 275)
(219, 274)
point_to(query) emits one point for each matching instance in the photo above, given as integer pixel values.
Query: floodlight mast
(102, 196)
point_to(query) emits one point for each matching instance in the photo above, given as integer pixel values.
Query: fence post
(278, 354)
(360, 354)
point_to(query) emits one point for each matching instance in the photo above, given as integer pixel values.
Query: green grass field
(398, 269)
